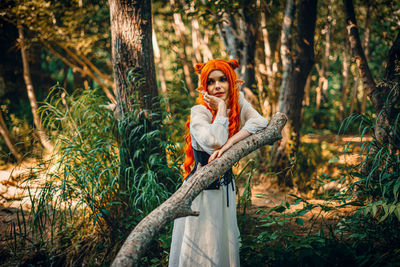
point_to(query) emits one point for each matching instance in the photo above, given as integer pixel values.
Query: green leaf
(374, 210)
(299, 221)
(397, 211)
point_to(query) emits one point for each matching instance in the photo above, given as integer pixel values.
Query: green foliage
(91, 199)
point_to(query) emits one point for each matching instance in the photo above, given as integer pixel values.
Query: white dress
(212, 238)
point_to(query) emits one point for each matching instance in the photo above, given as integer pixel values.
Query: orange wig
(227, 67)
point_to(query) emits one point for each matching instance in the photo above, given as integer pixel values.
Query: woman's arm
(231, 141)
(253, 122)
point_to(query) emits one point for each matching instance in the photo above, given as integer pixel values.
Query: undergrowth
(89, 200)
(367, 236)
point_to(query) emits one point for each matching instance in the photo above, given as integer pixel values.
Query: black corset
(202, 158)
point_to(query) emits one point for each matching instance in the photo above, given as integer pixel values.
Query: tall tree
(31, 92)
(291, 96)
(132, 49)
(322, 89)
(134, 76)
(385, 97)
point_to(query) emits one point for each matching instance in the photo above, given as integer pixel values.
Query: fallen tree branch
(178, 205)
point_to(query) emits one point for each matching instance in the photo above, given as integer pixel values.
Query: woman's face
(218, 85)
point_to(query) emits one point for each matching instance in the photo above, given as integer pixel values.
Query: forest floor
(14, 197)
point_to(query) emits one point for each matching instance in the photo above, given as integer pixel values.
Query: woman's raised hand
(214, 102)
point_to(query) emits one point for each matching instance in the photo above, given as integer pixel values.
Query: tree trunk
(179, 204)
(344, 82)
(249, 31)
(239, 37)
(7, 138)
(323, 76)
(354, 91)
(286, 46)
(134, 75)
(196, 38)
(202, 52)
(366, 49)
(292, 93)
(132, 51)
(31, 93)
(271, 67)
(179, 28)
(375, 95)
(160, 66)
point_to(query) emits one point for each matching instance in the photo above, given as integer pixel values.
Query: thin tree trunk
(345, 82)
(158, 59)
(307, 89)
(196, 39)
(374, 93)
(207, 54)
(323, 76)
(65, 81)
(271, 67)
(178, 205)
(354, 98)
(31, 93)
(7, 138)
(179, 28)
(318, 90)
(249, 29)
(286, 46)
(366, 49)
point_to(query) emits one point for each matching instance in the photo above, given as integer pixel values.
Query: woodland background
(92, 140)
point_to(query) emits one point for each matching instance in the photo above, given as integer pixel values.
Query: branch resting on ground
(178, 205)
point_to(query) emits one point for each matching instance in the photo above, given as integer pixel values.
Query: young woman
(222, 118)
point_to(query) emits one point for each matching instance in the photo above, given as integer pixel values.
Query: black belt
(226, 179)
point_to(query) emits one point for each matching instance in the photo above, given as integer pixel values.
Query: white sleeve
(251, 120)
(209, 135)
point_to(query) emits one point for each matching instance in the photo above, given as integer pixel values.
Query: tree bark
(132, 50)
(7, 138)
(159, 63)
(239, 37)
(365, 45)
(286, 48)
(179, 28)
(375, 95)
(323, 76)
(31, 93)
(271, 67)
(249, 31)
(344, 82)
(292, 92)
(179, 204)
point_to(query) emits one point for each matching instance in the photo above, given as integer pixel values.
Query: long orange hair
(227, 67)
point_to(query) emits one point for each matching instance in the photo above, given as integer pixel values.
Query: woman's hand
(214, 102)
(231, 141)
(220, 151)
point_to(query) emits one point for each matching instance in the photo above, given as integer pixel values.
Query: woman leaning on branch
(221, 118)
